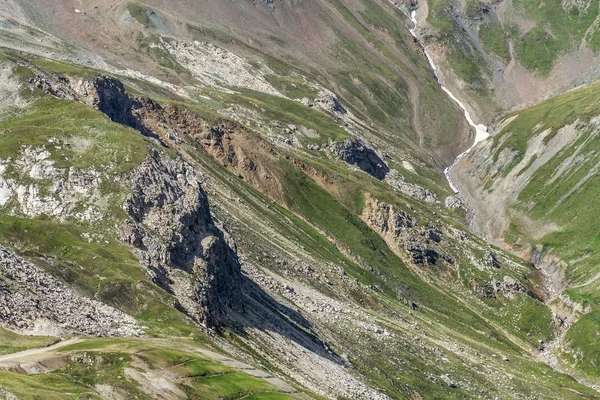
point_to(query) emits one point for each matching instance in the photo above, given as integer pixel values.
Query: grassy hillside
(334, 301)
(553, 149)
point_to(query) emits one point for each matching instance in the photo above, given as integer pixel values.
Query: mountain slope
(283, 207)
(540, 173)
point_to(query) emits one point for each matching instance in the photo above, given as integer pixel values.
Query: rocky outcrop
(32, 185)
(507, 288)
(397, 181)
(33, 302)
(103, 93)
(170, 223)
(404, 235)
(177, 240)
(327, 102)
(491, 260)
(355, 151)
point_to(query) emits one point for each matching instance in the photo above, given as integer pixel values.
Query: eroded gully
(481, 131)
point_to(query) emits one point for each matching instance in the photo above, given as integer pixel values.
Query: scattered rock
(34, 302)
(396, 180)
(453, 202)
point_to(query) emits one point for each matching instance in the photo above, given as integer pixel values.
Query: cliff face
(177, 240)
(170, 223)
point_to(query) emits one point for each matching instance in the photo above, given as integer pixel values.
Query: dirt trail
(39, 360)
(47, 359)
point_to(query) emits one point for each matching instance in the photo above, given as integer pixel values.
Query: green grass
(44, 386)
(78, 137)
(579, 104)
(65, 69)
(438, 16)
(493, 39)
(233, 385)
(140, 12)
(107, 271)
(86, 137)
(466, 62)
(537, 50)
(154, 46)
(290, 112)
(11, 342)
(584, 340)
(557, 31)
(570, 203)
(291, 86)
(103, 361)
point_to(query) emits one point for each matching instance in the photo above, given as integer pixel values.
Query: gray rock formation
(397, 181)
(403, 234)
(170, 225)
(327, 102)
(354, 151)
(495, 288)
(178, 242)
(32, 301)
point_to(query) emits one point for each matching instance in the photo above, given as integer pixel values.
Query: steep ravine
(481, 131)
(553, 277)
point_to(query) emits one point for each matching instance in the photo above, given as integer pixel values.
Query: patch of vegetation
(104, 268)
(438, 16)
(11, 342)
(292, 86)
(76, 135)
(290, 112)
(558, 29)
(569, 202)
(493, 39)
(469, 67)
(537, 50)
(473, 8)
(530, 317)
(593, 39)
(140, 12)
(154, 46)
(579, 104)
(66, 69)
(583, 339)
(103, 361)
(202, 33)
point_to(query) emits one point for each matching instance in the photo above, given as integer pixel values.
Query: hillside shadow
(259, 310)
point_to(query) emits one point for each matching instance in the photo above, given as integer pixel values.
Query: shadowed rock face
(170, 222)
(185, 253)
(354, 151)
